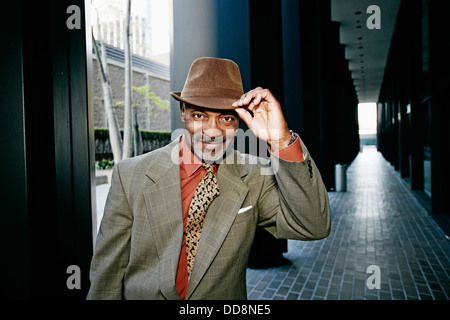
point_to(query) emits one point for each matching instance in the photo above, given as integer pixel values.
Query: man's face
(210, 131)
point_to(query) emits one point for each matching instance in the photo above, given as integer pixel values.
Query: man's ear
(182, 111)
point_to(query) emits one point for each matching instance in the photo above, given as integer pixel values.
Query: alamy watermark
(74, 280)
(74, 20)
(374, 21)
(374, 280)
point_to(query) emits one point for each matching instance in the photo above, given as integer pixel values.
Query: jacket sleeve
(111, 252)
(294, 202)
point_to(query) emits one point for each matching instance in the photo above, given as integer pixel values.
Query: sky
(367, 118)
(158, 16)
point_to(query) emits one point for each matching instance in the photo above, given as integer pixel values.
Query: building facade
(146, 72)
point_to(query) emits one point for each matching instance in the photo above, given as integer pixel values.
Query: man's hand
(262, 113)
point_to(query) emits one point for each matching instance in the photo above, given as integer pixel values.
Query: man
(179, 221)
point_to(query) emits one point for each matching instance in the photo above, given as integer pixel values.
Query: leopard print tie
(205, 193)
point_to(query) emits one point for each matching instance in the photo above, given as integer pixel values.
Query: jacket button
(310, 169)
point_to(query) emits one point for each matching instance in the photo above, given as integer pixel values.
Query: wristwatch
(294, 136)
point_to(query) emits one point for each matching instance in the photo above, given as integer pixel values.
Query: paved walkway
(376, 222)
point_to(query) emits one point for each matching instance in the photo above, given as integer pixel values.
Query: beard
(209, 150)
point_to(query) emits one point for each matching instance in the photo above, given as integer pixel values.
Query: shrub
(151, 140)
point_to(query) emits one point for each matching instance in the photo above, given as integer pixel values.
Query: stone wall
(157, 119)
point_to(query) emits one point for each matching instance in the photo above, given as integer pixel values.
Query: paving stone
(378, 221)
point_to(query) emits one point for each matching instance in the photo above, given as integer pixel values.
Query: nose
(211, 129)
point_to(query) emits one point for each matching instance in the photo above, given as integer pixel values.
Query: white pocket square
(241, 210)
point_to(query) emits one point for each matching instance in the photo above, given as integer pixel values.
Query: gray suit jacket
(139, 241)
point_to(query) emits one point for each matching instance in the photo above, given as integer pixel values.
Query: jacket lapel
(219, 218)
(164, 209)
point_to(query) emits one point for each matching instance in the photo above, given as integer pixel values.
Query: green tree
(153, 103)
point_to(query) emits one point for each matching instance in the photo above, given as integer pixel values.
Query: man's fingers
(245, 115)
(254, 98)
(261, 96)
(247, 98)
(257, 99)
(251, 106)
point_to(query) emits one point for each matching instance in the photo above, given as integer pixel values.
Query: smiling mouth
(211, 145)
(216, 141)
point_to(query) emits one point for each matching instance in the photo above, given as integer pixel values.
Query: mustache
(207, 139)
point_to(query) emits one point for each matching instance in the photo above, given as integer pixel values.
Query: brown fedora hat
(212, 83)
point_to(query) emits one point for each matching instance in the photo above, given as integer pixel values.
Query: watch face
(293, 138)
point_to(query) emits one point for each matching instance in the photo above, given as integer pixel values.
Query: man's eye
(227, 119)
(197, 116)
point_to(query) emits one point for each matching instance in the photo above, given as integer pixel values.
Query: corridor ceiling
(366, 49)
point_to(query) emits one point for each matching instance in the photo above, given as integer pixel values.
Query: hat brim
(206, 102)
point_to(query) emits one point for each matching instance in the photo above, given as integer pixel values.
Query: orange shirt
(191, 173)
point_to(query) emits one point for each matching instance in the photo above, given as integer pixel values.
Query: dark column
(403, 92)
(233, 34)
(439, 43)
(340, 113)
(311, 84)
(266, 54)
(13, 195)
(74, 148)
(381, 125)
(292, 70)
(396, 129)
(50, 167)
(320, 99)
(416, 94)
(418, 57)
(266, 48)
